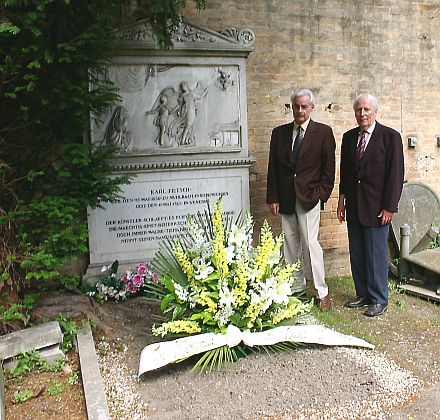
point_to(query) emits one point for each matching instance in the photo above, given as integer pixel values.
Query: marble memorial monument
(181, 133)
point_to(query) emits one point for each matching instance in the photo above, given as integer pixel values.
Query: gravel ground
(347, 383)
(310, 382)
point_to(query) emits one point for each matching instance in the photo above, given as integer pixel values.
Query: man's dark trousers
(369, 261)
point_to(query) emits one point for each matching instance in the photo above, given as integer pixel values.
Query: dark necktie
(296, 146)
(361, 146)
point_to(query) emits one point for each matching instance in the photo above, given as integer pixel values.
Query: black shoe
(358, 302)
(376, 309)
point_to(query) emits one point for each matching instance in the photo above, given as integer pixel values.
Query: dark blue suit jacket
(376, 183)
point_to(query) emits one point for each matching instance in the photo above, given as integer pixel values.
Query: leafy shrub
(52, 58)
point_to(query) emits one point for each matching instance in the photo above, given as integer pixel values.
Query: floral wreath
(212, 277)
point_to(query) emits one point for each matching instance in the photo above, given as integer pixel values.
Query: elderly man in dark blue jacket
(371, 181)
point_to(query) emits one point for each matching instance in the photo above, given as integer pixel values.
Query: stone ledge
(33, 338)
(96, 402)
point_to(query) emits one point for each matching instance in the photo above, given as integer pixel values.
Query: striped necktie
(361, 146)
(296, 146)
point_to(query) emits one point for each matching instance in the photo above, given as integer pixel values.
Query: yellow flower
(176, 327)
(218, 242)
(241, 278)
(264, 251)
(285, 273)
(252, 311)
(217, 221)
(294, 307)
(203, 299)
(183, 259)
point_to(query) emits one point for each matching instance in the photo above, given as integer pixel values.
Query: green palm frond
(274, 348)
(166, 264)
(224, 356)
(155, 291)
(216, 358)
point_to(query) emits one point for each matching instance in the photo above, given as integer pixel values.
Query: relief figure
(176, 114)
(182, 128)
(163, 110)
(117, 133)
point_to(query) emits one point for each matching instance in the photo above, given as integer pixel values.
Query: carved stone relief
(173, 107)
(224, 78)
(184, 33)
(244, 36)
(176, 114)
(117, 133)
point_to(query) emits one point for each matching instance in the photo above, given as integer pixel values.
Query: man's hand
(340, 213)
(274, 208)
(386, 217)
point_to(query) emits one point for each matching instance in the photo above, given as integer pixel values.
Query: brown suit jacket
(376, 183)
(314, 177)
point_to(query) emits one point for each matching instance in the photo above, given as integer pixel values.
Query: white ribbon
(158, 355)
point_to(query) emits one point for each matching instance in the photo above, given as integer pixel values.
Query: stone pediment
(188, 37)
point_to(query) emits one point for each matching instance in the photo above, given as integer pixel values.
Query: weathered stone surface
(93, 384)
(38, 337)
(429, 260)
(2, 394)
(421, 291)
(419, 207)
(72, 306)
(427, 240)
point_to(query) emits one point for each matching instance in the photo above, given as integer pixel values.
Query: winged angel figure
(176, 114)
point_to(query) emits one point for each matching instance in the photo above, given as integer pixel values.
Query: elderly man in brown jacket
(300, 179)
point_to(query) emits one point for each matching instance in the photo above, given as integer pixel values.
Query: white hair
(370, 97)
(303, 92)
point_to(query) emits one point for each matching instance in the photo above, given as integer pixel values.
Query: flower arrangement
(212, 277)
(120, 288)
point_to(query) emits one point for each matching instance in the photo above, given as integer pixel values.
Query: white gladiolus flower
(223, 315)
(237, 235)
(227, 297)
(181, 293)
(230, 254)
(282, 293)
(253, 273)
(192, 301)
(104, 268)
(274, 258)
(203, 271)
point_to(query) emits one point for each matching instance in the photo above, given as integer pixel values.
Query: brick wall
(338, 48)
